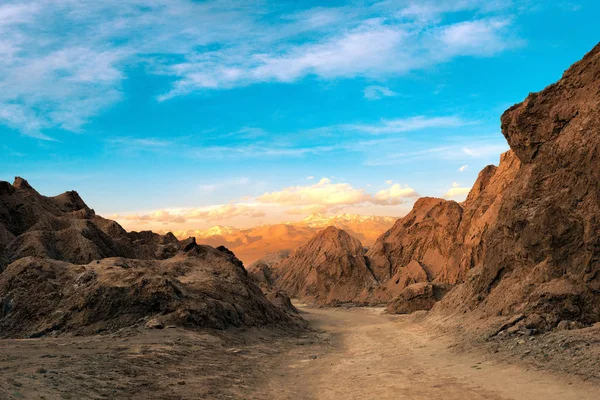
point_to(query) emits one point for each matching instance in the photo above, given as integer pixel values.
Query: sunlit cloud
(463, 168)
(396, 194)
(178, 216)
(326, 195)
(457, 192)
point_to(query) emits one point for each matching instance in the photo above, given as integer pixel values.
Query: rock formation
(66, 270)
(328, 270)
(418, 296)
(65, 228)
(524, 243)
(440, 241)
(540, 254)
(262, 270)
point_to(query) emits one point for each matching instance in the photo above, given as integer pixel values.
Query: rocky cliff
(539, 257)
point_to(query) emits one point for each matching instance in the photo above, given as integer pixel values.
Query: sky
(183, 114)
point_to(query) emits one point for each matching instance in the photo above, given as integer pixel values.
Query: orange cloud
(214, 213)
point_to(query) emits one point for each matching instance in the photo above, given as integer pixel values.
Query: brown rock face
(262, 270)
(65, 228)
(64, 269)
(541, 252)
(439, 241)
(328, 270)
(425, 235)
(418, 296)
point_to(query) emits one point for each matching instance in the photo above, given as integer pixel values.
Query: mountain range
(255, 243)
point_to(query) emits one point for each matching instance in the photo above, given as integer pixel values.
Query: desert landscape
(490, 291)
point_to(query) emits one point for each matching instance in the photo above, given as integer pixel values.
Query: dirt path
(375, 356)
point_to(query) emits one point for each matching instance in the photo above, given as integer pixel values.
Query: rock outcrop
(66, 270)
(329, 270)
(262, 270)
(416, 297)
(426, 236)
(540, 254)
(65, 228)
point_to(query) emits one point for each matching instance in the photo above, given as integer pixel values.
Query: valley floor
(370, 355)
(352, 353)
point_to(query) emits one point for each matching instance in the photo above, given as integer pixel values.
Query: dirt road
(354, 354)
(376, 356)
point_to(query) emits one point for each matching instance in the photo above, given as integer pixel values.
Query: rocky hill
(66, 270)
(330, 269)
(65, 228)
(440, 241)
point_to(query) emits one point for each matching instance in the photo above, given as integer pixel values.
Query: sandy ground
(369, 355)
(356, 353)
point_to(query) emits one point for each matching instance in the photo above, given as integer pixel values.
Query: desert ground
(348, 353)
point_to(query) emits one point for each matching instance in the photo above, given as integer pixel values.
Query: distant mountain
(252, 244)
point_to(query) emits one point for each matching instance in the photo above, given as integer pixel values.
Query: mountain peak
(21, 183)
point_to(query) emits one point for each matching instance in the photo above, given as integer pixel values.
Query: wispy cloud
(54, 77)
(411, 124)
(375, 48)
(378, 92)
(473, 148)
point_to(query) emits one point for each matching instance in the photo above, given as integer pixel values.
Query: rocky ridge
(66, 270)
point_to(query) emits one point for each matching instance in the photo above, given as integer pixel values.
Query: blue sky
(181, 114)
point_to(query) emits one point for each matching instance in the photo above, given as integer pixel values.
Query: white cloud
(378, 92)
(457, 192)
(482, 37)
(63, 62)
(373, 49)
(463, 168)
(389, 182)
(484, 148)
(326, 196)
(310, 178)
(410, 124)
(396, 194)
